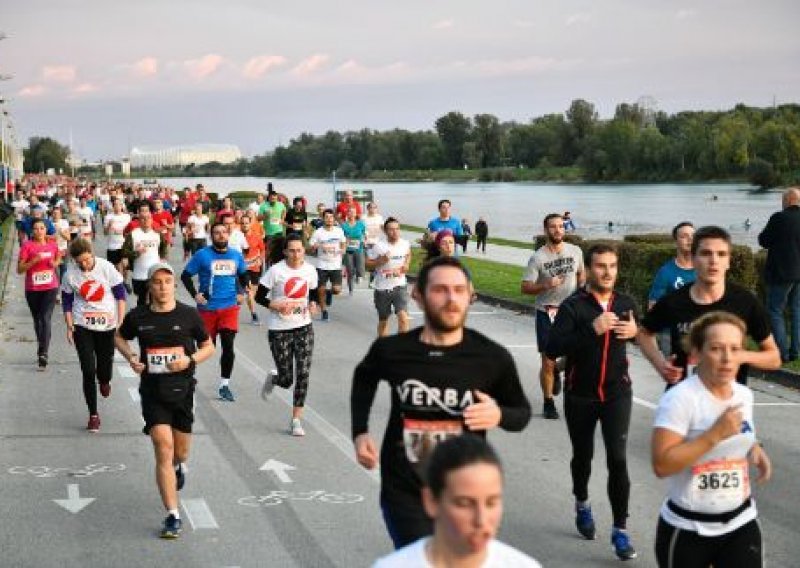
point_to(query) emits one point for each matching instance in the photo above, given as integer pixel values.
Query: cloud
(258, 66)
(311, 64)
(204, 66)
(520, 66)
(523, 24)
(685, 14)
(443, 24)
(579, 18)
(59, 73)
(84, 88)
(146, 67)
(32, 91)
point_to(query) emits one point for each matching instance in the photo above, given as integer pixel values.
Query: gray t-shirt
(545, 264)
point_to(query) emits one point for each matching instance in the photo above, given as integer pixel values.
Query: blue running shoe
(584, 521)
(226, 394)
(172, 528)
(622, 544)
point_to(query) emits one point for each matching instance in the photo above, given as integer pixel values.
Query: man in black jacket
(781, 238)
(592, 329)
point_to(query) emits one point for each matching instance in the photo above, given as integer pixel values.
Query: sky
(257, 73)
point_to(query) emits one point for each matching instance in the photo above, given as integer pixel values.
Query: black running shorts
(179, 415)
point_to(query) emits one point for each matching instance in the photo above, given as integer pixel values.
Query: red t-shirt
(162, 219)
(344, 207)
(187, 208)
(42, 275)
(135, 225)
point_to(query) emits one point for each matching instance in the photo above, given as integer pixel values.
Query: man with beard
(554, 272)
(591, 330)
(445, 380)
(222, 275)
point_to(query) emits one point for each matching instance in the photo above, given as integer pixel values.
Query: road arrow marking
(74, 503)
(279, 469)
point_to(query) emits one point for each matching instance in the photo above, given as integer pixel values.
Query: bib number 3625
(720, 485)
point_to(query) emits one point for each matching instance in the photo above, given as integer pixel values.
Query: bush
(539, 241)
(650, 238)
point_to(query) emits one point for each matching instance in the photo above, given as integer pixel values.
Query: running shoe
(128, 288)
(105, 389)
(42, 362)
(172, 527)
(328, 297)
(255, 320)
(550, 412)
(325, 316)
(269, 384)
(621, 543)
(94, 424)
(584, 521)
(297, 428)
(180, 476)
(226, 394)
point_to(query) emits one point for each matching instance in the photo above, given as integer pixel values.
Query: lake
(516, 210)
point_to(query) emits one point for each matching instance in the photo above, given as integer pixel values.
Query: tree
(488, 137)
(43, 154)
(762, 173)
(582, 118)
(454, 130)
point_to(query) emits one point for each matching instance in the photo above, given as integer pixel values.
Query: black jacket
(597, 365)
(481, 228)
(781, 238)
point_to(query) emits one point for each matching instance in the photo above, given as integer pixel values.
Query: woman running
(704, 442)
(38, 261)
(355, 231)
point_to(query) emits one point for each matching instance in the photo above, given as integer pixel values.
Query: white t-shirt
(374, 225)
(546, 264)
(20, 208)
(94, 306)
(87, 216)
(61, 225)
(329, 251)
(720, 481)
(293, 285)
(500, 555)
(197, 225)
(150, 241)
(237, 241)
(388, 276)
(116, 223)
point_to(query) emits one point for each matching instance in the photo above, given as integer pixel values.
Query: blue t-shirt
(218, 275)
(670, 277)
(353, 233)
(454, 224)
(27, 226)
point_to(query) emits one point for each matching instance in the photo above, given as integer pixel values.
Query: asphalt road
(70, 498)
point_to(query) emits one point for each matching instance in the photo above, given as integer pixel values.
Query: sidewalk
(495, 253)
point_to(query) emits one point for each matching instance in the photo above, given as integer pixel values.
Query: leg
(302, 349)
(140, 289)
(406, 520)
(677, 548)
(547, 368)
(34, 300)
(84, 345)
(104, 353)
(794, 311)
(182, 442)
(402, 321)
(322, 280)
(227, 357)
(164, 447)
(742, 548)
(383, 305)
(581, 416)
(400, 304)
(336, 282)
(615, 418)
(45, 320)
(280, 344)
(776, 304)
(349, 264)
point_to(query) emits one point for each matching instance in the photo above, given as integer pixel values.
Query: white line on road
(645, 403)
(521, 346)
(126, 372)
(199, 514)
(776, 404)
(134, 392)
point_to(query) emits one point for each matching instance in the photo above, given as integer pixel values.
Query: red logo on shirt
(295, 288)
(92, 291)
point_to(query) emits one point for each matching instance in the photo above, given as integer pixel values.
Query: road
(70, 498)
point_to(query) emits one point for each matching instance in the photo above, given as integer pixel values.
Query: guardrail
(9, 237)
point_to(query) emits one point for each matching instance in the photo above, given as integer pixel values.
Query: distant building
(126, 168)
(151, 157)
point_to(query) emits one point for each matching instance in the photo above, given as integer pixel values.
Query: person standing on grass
(481, 234)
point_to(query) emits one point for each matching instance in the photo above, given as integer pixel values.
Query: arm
(119, 295)
(127, 249)
(768, 358)
(649, 347)
(125, 350)
(569, 335)
(163, 248)
(766, 238)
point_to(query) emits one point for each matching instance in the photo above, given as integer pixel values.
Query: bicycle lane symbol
(45, 472)
(279, 497)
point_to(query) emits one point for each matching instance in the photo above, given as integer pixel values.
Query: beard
(445, 319)
(219, 245)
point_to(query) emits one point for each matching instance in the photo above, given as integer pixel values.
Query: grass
(491, 240)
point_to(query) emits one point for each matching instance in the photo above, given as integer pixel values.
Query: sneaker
(105, 389)
(226, 394)
(269, 384)
(325, 316)
(584, 521)
(550, 412)
(42, 360)
(328, 297)
(94, 424)
(621, 543)
(180, 476)
(172, 527)
(297, 428)
(128, 288)
(255, 320)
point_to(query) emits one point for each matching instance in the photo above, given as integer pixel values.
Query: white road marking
(74, 503)
(134, 392)
(126, 372)
(776, 404)
(521, 346)
(645, 403)
(199, 514)
(279, 469)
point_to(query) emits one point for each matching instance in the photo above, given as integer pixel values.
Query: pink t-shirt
(42, 275)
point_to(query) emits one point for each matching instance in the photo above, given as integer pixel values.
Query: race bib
(551, 312)
(46, 254)
(223, 268)
(720, 485)
(421, 436)
(150, 244)
(298, 311)
(297, 226)
(42, 278)
(158, 357)
(353, 243)
(331, 251)
(97, 321)
(391, 273)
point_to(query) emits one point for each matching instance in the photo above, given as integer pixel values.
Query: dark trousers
(41, 305)
(406, 519)
(291, 350)
(481, 243)
(582, 415)
(676, 548)
(141, 291)
(96, 355)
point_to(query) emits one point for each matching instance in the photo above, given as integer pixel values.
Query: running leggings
(678, 548)
(96, 355)
(226, 338)
(41, 305)
(353, 261)
(582, 415)
(292, 350)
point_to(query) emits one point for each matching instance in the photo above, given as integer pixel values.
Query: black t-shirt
(163, 336)
(295, 219)
(676, 311)
(430, 388)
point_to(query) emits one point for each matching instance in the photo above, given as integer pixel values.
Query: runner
(254, 258)
(463, 494)
(444, 378)
(297, 218)
(329, 243)
(443, 245)
(356, 233)
(236, 238)
(86, 215)
(222, 275)
(62, 241)
(20, 206)
(554, 272)
(186, 206)
(389, 260)
(163, 220)
(374, 224)
(444, 221)
(93, 300)
(273, 216)
(591, 329)
(143, 247)
(711, 251)
(38, 259)
(344, 206)
(114, 227)
(704, 442)
(196, 230)
(172, 341)
(285, 291)
(676, 272)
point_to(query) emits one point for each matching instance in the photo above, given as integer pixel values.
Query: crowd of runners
(441, 483)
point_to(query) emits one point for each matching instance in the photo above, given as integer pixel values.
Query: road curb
(5, 261)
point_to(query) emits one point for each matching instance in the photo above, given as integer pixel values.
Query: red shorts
(215, 320)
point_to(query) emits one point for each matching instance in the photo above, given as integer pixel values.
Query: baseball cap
(160, 266)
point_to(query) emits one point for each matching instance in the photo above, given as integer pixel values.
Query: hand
(70, 338)
(136, 364)
(313, 308)
(626, 328)
(482, 415)
(239, 299)
(728, 424)
(179, 364)
(200, 299)
(760, 459)
(555, 281)
(366, 451)
(280, 306)
(669, 371)
(604, 322)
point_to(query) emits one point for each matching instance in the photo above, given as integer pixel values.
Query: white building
(170, 156)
